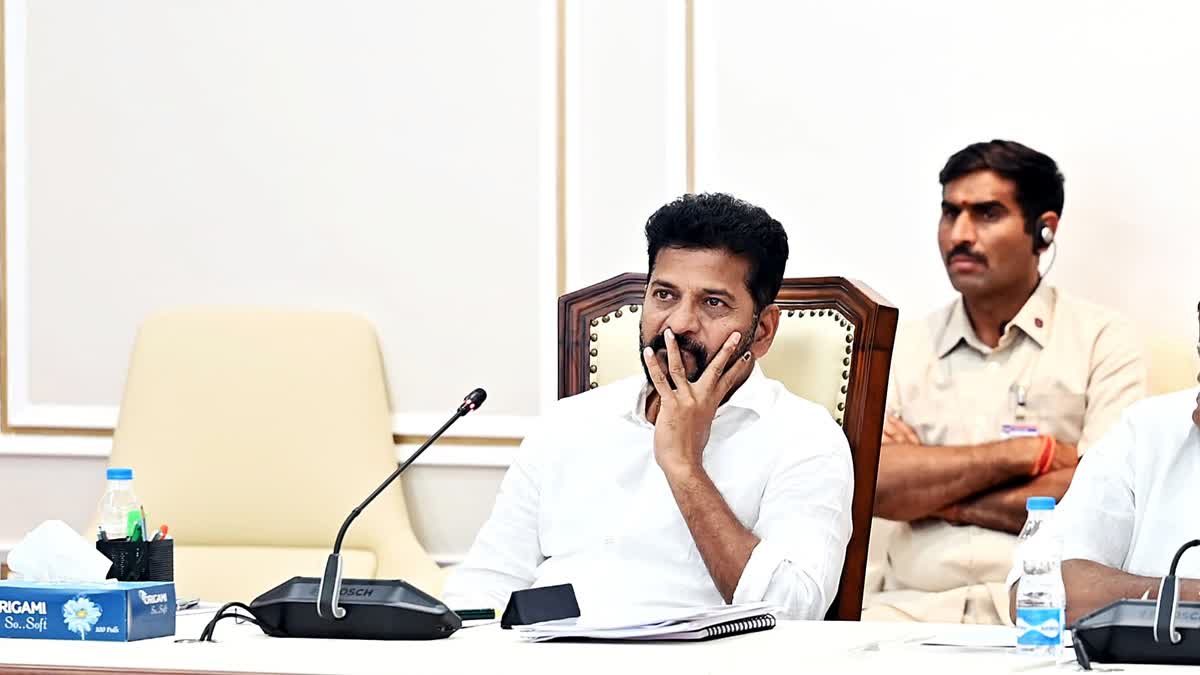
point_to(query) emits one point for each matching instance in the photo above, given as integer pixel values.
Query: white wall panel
(626, 142)
(837, 116)
(377, 157)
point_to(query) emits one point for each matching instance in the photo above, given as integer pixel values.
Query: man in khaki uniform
(992, 398)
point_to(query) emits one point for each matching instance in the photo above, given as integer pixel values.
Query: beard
(698, 351)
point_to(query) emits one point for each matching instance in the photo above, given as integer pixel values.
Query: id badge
(1008, 431)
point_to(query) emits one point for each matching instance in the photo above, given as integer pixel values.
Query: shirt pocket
(1059, 408)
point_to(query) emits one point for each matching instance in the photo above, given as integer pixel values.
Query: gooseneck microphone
(1165, 630)
(331, 581)
(364, 609)
(1168, 600)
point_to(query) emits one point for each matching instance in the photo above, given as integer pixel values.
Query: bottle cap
(120, 474)
(1040, 503)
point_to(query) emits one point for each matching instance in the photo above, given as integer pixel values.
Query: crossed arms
(983, 485)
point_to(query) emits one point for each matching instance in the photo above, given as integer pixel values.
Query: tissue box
(115, 612)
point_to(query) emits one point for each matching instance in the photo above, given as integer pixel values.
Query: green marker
(133, 526)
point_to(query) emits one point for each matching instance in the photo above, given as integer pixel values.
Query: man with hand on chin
(704, 482)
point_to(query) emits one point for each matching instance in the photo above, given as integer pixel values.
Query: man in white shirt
(704, 482)
(1131, 506)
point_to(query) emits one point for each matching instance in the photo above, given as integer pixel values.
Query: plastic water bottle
(1041, 598)
(117, 502)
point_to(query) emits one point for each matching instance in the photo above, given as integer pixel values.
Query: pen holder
(140, 560)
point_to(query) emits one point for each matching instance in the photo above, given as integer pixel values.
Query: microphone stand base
(375, 609)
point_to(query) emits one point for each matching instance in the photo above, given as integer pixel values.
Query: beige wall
(393, 158)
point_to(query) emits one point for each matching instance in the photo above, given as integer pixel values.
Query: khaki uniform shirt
(1074, 365)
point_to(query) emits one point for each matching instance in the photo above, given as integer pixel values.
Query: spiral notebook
(659, 625)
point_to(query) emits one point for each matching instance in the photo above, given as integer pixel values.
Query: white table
(792, 647)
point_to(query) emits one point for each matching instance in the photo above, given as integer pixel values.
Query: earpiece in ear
(1043, 236)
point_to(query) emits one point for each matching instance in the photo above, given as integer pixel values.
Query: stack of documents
(703, 623)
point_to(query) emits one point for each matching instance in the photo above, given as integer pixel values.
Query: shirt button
(993, 366)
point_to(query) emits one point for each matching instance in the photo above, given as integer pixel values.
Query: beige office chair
(834, 348)
(1173, 365)
(252, 434)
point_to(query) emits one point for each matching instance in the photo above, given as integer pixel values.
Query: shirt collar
(754, 395)
(1034, 319)
(1037, 316)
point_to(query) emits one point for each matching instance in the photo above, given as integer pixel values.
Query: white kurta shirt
(585, 503)
(1133, 500)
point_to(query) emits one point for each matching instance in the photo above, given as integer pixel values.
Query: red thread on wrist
(1046, 456)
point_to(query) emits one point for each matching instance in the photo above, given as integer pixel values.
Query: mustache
(685, 343)
(965, 251)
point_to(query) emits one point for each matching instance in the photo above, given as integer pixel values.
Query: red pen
(161, 534)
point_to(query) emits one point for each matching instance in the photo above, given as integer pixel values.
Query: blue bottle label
(1039, 626)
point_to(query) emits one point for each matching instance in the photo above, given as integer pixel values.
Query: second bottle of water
(1041, 597)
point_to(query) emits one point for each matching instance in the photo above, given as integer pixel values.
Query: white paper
(979, 637)
(973, 636)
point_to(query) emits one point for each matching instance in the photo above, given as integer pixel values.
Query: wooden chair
(834, 348)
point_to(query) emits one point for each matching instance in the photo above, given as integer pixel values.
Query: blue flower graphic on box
(81, 614)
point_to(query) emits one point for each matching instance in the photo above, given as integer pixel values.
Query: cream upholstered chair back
(1173, 365)
(252, 434)
(834, 348)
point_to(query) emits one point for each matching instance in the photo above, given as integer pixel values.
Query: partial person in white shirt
(700, 484)
(1131, 506)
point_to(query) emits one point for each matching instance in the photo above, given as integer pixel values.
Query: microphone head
(473, 400)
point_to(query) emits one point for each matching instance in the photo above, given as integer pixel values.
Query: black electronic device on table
(1162, 631)
(362, 609)
(374, 609)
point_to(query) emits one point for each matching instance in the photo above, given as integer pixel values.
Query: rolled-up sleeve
(803, 527)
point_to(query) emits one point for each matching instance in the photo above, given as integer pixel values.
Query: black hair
(720, 221)
(1039, 182)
